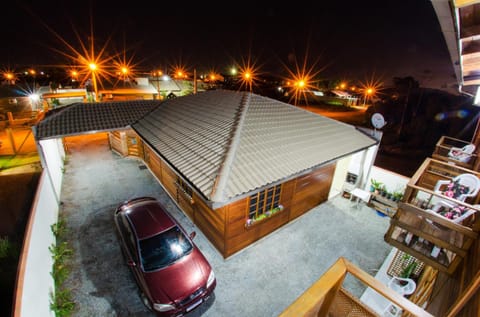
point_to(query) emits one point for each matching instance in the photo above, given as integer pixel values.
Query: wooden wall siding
(297, 197)
(186, 203)
(116, 140)
(169, 180)
(225, 227)
(153, 161)
(238, 236)
(211, 223)
(311, 190)
(134, 144)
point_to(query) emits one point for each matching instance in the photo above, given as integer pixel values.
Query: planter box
(383, 204)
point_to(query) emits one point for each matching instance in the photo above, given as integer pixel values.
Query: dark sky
(343, 39)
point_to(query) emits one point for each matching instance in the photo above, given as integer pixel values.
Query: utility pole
(194, 81)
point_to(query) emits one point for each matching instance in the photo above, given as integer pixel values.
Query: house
(15, 99)
(238, 164)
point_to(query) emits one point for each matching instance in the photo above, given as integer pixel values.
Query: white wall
(34, 281)
(391, 180)
(54, 155)
(361, 164)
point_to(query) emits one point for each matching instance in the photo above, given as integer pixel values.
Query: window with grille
(264, 201)
(184, 187)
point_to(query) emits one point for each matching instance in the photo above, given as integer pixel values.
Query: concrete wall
(34, 281)
(54, 156)
(361, 164)
(392, 180)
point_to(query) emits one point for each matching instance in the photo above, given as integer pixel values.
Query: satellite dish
(378, 121)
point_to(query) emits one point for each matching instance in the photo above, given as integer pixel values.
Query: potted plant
(397, 196)
(383, 190)
(375, 185)
(408, 270)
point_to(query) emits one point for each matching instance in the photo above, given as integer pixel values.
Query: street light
(93, 69)
(157, 74)
(368, 93)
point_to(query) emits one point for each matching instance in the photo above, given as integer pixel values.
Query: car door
(131, 250)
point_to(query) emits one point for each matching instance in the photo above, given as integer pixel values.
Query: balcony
(429, 236)
(444, 147)
(326, 297)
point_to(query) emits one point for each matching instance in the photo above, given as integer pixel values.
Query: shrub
(61, 302)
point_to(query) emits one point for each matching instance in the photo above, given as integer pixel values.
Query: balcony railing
(442, 150)
(430, 237)
(326, 297)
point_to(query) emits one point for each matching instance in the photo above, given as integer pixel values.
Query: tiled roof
(229, 143)
(86, 117)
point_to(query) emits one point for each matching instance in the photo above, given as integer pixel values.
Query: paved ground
(261, 280)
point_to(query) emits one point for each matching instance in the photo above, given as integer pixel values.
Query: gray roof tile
(81, 118)
(229, 143)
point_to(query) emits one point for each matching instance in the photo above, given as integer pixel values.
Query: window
(184, 187)
(263, 202)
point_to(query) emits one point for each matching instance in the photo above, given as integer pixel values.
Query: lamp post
(93, 69)
(157, 75)
(367, 94)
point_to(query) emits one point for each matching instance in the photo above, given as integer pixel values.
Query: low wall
(34, 281)
(391, 180)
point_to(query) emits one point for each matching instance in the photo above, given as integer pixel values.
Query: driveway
(261, 280)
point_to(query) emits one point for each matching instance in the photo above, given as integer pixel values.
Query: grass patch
(61, 303)
(11, 161)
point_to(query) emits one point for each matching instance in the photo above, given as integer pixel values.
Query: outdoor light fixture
(34, 97)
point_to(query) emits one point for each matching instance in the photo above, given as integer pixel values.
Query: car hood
(180, 279)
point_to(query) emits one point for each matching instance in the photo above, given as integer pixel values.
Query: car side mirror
(131, 263)
(192, 235)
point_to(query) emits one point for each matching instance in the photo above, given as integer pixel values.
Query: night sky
(342, 39)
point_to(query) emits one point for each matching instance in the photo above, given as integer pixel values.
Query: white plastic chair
(469, 180)
(462, 154)
(403, 286)
(445, 204)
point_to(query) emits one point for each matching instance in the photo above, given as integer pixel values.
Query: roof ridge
(219, 185)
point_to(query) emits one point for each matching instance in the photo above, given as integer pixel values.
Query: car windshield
(163, 249)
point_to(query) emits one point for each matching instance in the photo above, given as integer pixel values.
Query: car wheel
(146, 301)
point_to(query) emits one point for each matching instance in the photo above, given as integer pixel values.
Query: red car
(173, 276)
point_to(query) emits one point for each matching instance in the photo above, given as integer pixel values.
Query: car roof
(149, 217)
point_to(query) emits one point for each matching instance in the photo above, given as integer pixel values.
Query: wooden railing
(443, 147)
(321, 299)
(417, 230)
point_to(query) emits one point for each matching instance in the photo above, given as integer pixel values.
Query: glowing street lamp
(157, 74)
(10, 77)
(93, 69)
(368, 94)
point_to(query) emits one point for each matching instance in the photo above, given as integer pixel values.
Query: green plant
(410, 267)
(398, 195)
(376, 185)
(61, 302)
(59, 229)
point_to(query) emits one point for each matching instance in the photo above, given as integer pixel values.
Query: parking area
(261, 280)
